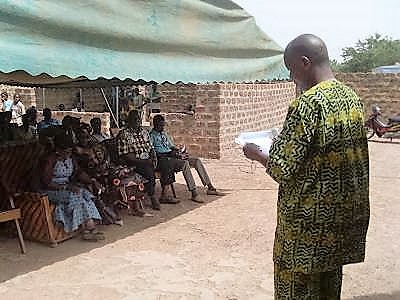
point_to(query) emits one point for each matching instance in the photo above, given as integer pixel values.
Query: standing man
(134, 149)
(169, 154)
(6, 103)
(17, 110)
(320, 161)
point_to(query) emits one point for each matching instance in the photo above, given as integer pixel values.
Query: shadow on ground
(13, 263)
(392, 296)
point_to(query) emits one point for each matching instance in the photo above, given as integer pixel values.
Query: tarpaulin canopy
(164, 40)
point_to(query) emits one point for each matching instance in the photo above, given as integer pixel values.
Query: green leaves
(367, 54)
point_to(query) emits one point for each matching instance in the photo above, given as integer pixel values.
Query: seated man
(71, 125)
(97, 134)
(166, 150)
(134, 149)
(47, 121)
(25, 132)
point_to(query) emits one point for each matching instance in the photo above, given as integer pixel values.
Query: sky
(340, 23)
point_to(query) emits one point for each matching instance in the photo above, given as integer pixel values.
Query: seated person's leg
(184, 166)
(166, 168)
(147, 171)
(201, 170)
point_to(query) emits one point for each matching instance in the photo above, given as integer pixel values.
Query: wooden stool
(37, 219)
(13, 214)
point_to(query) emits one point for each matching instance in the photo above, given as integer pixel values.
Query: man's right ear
(306, 61)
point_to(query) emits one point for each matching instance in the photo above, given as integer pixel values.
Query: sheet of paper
(263, 139)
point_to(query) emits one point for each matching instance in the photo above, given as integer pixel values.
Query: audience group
(90, 176)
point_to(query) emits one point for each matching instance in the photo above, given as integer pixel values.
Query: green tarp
(170, 40)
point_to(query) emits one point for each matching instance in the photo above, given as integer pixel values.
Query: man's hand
(175, 153)
(253, 152)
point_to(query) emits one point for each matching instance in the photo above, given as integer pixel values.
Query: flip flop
(92, 235)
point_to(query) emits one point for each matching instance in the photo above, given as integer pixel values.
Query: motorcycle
(375, 126)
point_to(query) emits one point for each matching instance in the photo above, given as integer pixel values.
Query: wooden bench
(14, 214)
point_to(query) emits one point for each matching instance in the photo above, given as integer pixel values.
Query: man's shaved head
(308, 61)
(310, 46)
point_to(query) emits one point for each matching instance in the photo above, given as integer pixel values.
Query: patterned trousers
(299, 286)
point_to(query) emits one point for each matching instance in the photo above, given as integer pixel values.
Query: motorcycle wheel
(370, 132)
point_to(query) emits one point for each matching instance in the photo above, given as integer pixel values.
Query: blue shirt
(7, 105)
(162, 143)
(48, 123)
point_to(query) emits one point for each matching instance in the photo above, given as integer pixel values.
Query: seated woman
(74, 204)
(95, 160)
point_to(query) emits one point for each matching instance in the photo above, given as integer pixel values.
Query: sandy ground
(220, 250)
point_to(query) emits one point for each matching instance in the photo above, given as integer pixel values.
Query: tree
(336, 66)
(372, 52)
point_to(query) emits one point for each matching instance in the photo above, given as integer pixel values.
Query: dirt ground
(220, 250)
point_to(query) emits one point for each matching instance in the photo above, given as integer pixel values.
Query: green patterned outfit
(320, 161)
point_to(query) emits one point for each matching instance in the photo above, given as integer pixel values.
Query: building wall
(200, 132)
(51, 97)
(251, 107)
(222, 112)
(380, 89)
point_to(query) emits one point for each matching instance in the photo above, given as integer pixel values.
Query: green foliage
(336, 66)
(367, 54)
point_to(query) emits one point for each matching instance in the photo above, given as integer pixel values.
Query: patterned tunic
(320, 161)
(136, 142)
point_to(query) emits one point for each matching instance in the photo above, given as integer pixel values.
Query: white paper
(263, 139)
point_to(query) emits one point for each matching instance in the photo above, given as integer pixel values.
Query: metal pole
(109, 107)
(44, 98)
(80, 97)
(117, 102)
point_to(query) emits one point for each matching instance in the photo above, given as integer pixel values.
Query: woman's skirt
(73, 208)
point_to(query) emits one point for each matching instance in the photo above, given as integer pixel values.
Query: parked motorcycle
(375, 126)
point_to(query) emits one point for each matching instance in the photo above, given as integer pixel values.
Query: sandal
(168, 200)
(213, 192)
(195, 197)
(136, 212)
(92, 235)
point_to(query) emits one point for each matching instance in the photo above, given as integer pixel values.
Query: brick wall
(251, 107)
(222, 112)
(200, 132)
(52, 97)
(380, 89)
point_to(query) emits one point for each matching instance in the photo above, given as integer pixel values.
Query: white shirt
(17, 110)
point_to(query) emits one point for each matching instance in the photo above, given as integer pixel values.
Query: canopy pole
(109, 107)
(117, 103)
(44, 98)
(80, 97)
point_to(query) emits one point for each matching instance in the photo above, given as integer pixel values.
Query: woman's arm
(47, 175)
